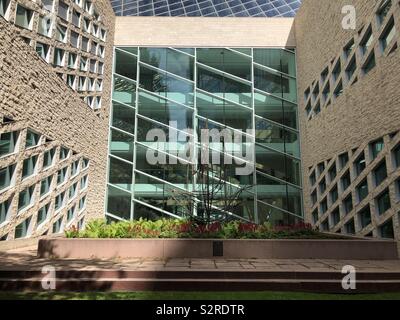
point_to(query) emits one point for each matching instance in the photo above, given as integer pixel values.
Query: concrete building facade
(347, 105)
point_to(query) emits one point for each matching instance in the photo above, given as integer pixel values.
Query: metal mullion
(118, 158)
(114, 216)
(256, 218)
(179, 51)
(135, 134)
(278, 151)
(119, 48)
(159, 180)
(224, 74)
(195, 127)
(239, 53)
(280, 209)
(278, 124)
(124, 104)
(125, 78)
(278, 180)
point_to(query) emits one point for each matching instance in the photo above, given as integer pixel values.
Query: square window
(8, 143)
(396, 156)
(62, 175)
(324, 206)
(380, 173)
(383, 10)
(43, 214)
(367, 41)
(29, 167)
(332, 172)
(5, 211)
(7, 177)
(24, 17)
(44, 26)
(57, 226)
(335, 217)
(315, 216)
(23, 229)
(362, 190)
(383, 202)
(364, 217)
(4, 5)
(313, 178)
(322, 186)
(48, 158)
(45, 185)
(63, 10)
(59, 55)
(32, 139)
(376, 147)
(346, 181)
(64, 153)
(325, 225)
(61, 33)
(334, 194)
(25, 198)
(386, 230)
(348, 204)
(369, 64)
(359, 164)
(42, 50)
(349, 227)
(343, 160)
(388, 35)
(59, 201)
(314, 197)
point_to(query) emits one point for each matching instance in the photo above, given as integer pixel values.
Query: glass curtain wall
(180, 91)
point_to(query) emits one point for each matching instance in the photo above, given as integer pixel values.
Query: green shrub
(181, 228)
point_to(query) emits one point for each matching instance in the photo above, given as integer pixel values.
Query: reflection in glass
(119, 202)
(125, 64)
(124, 90)
(278, 59)
(121, 145)
(123, 117)
(120, 173)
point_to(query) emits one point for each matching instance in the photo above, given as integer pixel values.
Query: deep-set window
(6, 176)
(362, 190)
(325, 225)
(315, 216)
(59, 201)
(4, 4)
(348, 204)
(72, 190)
(42, 50)
(45, 185)
(32, 139)
(365, 217)
(76, 18)
(350, 227)
(367, 41)
(61, 33)
(74, 39)
(322, 186)
(380, 173)
(64, 153)
(85, 44)
(48, 158)
(348, 49)
(29, 167)
(71, 213)
(324, 206)
(57, 226)
(346, 181)
(369, 64)
(63, 10)
(59, 55)
(388, 34)
(332, 172)
(8, 142)
(386, 229)
(359, 164)
(44, 26)
(376, 147)
(343, 160)
(42, 214)
(383, 203)
(24, 17)
(334, 194)
(5, 210)
(83, 182)
(384, 10)
(48, 4)
(336, 71)
(396, 155)
(26, 198)
(335, 216)
(62, 175)
(23, 229)
(82, 203)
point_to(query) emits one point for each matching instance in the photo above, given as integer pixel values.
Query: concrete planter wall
(208, 248)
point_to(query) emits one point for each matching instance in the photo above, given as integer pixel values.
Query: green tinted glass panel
(224, 87)
(120, 173)
(125, 64)
(277, 59)
(121, 145)
(123, 117)
(164, 111)
(119, 202)
(124, 90)
(276, 137)
(224, 112)
(226, 61)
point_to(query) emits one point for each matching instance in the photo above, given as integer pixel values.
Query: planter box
(209, 248)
